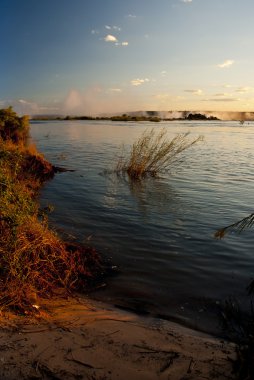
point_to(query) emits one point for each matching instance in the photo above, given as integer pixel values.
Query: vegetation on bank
(34, 261)
(153, 154)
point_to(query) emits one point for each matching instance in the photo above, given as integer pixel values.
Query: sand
(81, 339)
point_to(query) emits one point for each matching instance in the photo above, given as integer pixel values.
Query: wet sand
(77, 338)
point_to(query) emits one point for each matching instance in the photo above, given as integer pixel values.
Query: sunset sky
(95, 56)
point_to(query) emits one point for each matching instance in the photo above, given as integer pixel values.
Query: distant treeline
(199, 116)
(125, 117)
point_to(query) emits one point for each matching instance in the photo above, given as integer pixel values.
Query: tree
(13, 127)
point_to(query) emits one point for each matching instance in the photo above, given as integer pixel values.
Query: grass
(239, 324)
(239, 327)
(154, 154)
(34, 261)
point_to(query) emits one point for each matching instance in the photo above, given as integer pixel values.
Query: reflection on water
(151, 195)
(159, 231)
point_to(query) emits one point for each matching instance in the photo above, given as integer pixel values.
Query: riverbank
(35, 262)
(76, 338)
(42, 336)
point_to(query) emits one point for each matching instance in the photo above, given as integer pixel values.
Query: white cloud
(73, 101)
(117, 28)
(125, 43)
(114, 27)
(110, 38)
(163, 73)
(131, 16)
(197, 92)
(186, 1)
(25, 107)
(95, 31)
(227, 63)
(138, 81)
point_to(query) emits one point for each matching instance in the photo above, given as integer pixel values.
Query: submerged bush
(153, 153)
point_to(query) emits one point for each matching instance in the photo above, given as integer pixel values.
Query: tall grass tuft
(153, 154)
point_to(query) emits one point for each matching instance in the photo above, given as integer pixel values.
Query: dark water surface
(158, 232)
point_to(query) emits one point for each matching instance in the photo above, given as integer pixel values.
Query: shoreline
(75, 338)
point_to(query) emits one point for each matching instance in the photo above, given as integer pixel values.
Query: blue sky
(94, 56)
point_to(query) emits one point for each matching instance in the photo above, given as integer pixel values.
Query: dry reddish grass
(34, 261)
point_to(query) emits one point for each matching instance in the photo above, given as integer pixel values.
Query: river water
(158, 232)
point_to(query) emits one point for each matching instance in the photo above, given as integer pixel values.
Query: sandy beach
(77, 338)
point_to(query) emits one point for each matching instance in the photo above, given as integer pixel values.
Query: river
(159, 232)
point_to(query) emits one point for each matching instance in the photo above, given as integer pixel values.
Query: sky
(92, 57)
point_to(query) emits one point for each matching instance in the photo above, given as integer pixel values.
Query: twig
(191, 365)
(45, 370)
(114, 332)
(154, 350)
(38, 331)
(169, 362)
(41, 352)
(82, 363)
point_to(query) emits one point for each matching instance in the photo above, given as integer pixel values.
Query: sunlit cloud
(115, 90)
(165, 98)
(131, 16)
(223, 94)
(138, 82)
(196, 92)
(230, 99)
(162, 97)
(108, 27)
(244, 90)
(163, 73)
(227, 63)
(110, 38)
(186, 1)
